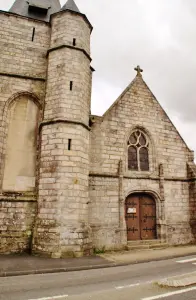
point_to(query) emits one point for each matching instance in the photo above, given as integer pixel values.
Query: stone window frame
(138, 140)
(4, 129)
(151, 152)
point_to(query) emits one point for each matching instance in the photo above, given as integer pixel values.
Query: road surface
(133, 282)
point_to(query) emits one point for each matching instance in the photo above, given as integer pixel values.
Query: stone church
(72, 182)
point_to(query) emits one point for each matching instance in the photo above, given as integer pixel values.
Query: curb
(55, 270)
(179, 281)
(88, 267)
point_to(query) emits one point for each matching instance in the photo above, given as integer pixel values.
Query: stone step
(151, 246)
(137, 247)
(159, 246)
(143, 242)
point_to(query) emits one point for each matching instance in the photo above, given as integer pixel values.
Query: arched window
(21, 146)
(138, 151)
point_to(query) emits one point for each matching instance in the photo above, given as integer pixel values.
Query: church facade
(71, 182)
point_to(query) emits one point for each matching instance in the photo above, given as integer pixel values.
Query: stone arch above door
(154, 193)
(140, 217)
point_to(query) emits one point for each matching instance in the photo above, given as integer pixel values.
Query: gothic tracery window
(138, 151)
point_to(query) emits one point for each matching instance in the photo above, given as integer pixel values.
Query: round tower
(62, 221)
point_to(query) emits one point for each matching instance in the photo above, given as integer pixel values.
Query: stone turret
(62, 223)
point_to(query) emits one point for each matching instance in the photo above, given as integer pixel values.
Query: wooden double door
(140, 216)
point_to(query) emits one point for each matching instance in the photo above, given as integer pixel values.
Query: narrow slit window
(69, 144)
(71, 85)
(74, 42)
(33, 34)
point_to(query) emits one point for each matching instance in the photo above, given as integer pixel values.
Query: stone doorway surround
(161, 227)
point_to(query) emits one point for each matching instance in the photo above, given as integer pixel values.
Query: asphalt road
(133, 282)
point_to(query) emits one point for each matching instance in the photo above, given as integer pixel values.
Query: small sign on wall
(131, 210)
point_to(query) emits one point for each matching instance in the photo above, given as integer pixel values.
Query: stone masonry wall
(62, 224)
(18, 53)
(68, 65)
(104, 212)
(25, 210)
(192, 196)
(176, 206)
(67, 26)
(104, 209)
(137, 108)
(177, 212)
(20, 56)
(16, 224)
(23, 65)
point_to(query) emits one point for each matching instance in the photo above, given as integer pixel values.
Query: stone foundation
(16, 226)
(179, 234)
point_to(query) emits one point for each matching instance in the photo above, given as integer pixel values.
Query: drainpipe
(162, 221)
(121, 201)
(162, 192)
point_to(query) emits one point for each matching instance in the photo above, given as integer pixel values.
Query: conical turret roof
(70, 5)
(36, 9)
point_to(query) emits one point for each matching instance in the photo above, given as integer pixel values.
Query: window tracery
(138, 151)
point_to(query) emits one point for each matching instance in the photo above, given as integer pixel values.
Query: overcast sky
(160, 36)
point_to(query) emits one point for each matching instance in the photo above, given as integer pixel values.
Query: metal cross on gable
(138, 70)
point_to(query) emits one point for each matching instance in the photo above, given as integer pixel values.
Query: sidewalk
(14, 265)
(138, 256)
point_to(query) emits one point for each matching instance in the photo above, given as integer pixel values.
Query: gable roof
(36, 9)
(138, 81)
(120, 97)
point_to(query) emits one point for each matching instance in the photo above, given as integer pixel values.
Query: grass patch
(99, 250)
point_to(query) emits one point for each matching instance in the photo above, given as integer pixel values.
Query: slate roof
(25, 8)
(70, 5)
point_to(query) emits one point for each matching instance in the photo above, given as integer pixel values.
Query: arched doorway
(140, 216)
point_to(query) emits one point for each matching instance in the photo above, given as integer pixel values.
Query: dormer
(36, 9)
(40, 7)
